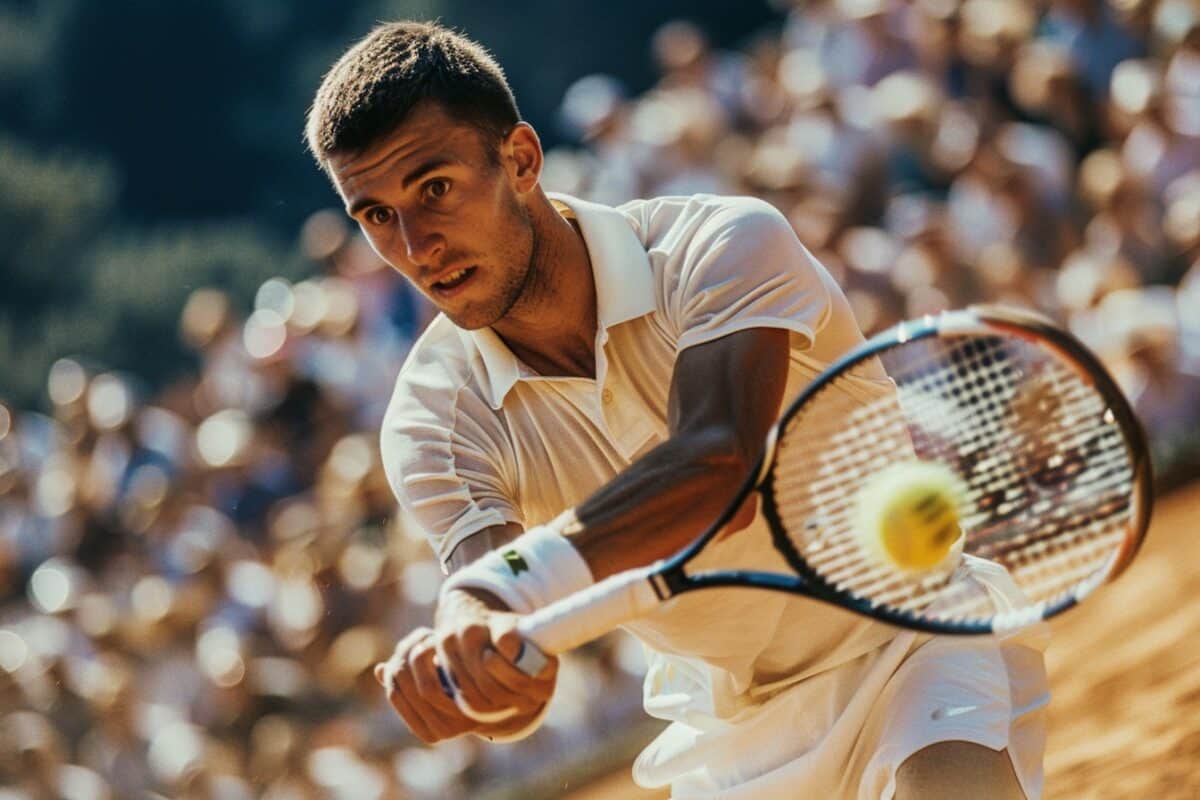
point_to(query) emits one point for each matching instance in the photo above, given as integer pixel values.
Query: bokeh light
(421, 582)
(67, 382)
(109, 402)
(222, 439)
(1136, 84)
(352, 458)
(96, 614)
(176, 751)
(275, 295)
(361, 565)
(205, 315)
(151, 598)
(426, 773)
(219, 653)
(343, 775)
(54, 493)
(54, 585)
(309, 306)
(80, 783)
(295, 611)
(13, 650)
(264, 334)
(340, 307)
(250, 583)
(323, 234)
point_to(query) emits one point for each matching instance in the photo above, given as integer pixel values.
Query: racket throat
(667, 585)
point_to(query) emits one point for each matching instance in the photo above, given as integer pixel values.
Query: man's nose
(422, 243)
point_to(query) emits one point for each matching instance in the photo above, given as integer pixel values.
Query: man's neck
(552, 327)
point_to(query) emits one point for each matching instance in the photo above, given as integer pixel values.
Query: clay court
(1124, 677)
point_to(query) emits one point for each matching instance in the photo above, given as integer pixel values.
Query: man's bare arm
(725, 395)
(477, 544)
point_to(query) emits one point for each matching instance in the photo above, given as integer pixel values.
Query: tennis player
(596, 387)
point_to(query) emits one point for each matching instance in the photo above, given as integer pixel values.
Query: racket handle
(584, 616)
(568, 623)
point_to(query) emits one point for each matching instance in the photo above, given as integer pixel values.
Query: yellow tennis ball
(907, 516)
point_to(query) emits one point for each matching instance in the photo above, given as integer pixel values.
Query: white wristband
(532, 571)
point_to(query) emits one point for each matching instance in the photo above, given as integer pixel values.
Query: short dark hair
(374, 86)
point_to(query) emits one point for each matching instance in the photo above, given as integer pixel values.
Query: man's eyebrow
(359, 205)
(429, 166)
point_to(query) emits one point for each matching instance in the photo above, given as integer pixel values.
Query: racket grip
(586, 615)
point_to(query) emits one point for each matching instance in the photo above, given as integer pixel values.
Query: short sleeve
(444, 454)
(743, 267)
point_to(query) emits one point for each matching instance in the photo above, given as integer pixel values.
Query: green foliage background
(149, 148)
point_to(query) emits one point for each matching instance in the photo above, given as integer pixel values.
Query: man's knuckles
(472, 636)
(509, 643)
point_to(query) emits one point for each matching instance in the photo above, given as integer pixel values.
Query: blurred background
(200, 559)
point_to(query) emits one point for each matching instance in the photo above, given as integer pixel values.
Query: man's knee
(957, 769)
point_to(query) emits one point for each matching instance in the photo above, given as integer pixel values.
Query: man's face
(435, 204)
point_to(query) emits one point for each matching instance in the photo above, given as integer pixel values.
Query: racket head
(1053, 465)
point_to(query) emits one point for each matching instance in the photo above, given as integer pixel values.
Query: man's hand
(410, 680)
(478, 644)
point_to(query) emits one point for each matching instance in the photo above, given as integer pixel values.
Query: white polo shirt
(473, 438)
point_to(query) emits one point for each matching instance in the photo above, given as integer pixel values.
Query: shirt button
(606, 396)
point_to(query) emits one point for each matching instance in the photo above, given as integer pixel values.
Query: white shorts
(843, 733)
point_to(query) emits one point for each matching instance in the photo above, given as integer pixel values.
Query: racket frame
(671, 579)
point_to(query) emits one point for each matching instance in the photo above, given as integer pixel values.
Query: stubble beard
(519, 290)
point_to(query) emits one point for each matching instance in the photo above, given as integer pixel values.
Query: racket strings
(1105, 473)
(1046, 471)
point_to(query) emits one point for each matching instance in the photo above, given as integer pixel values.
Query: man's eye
(379, 215)
(435, 190)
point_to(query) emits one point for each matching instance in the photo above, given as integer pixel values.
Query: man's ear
(521, 154)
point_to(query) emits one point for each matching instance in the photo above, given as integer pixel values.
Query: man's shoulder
(437, 368)
(673, 220)
(440, 348)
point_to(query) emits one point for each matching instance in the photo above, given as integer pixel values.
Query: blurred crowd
(935, 153)
(195, 584)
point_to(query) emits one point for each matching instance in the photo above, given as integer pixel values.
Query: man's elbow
(727, 461)
(724, 453)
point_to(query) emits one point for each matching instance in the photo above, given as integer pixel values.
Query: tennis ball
(907, 516)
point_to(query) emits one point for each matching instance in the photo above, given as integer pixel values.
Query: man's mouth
(454, 280)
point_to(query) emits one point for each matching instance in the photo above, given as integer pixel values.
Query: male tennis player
(594, 391)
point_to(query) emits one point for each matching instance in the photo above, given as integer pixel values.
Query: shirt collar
(624, 287)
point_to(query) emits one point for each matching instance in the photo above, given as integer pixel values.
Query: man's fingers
(510, 644)
(401, 693)
(386, 671)
(534, 689)
(396, 660)
(425, 676)
(502, 668)
(415, 722)
(425, 723)
(477, 688)
(416, 697)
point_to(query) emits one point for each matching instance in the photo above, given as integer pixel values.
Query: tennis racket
(1053, 464)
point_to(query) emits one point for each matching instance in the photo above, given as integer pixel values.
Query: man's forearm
(725, 395)
(659, 503)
